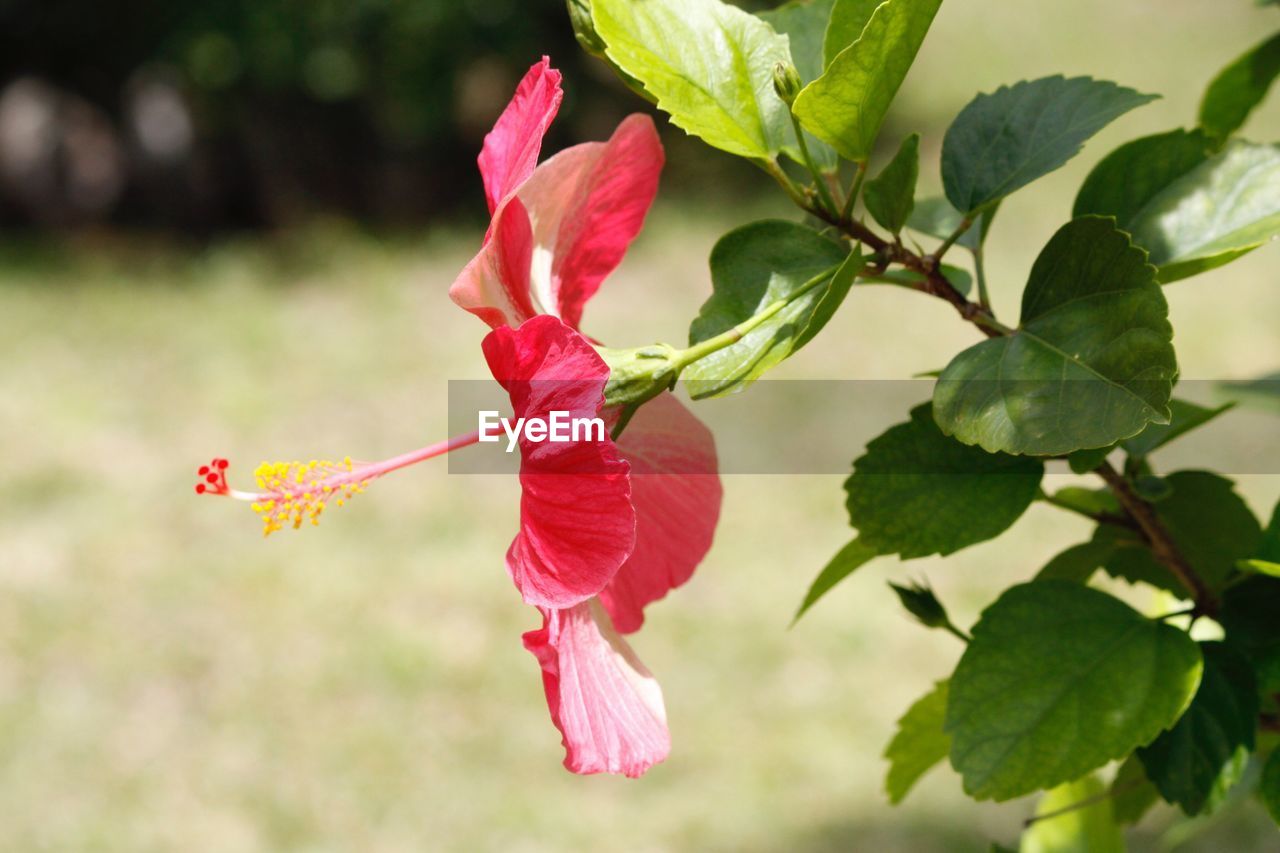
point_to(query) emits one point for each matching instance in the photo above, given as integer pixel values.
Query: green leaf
(1126, 180)
(846, 561)
(848, 20)
(1004, 141)
(1211, 525)
(1239, 88)
(1185, 417)
(1084, 461)
(847, 104)
(1249, 619)
(709, 64)
(1087, 501)
(916, 492)
(1269, 547)
(1224, 208)
(936, 217)
(753, 267)
(1261, 393)
(1078, 563)
(804, 23)
(1269, 787)
(1132, 793)
(1262, 567)
(1197, 762)
(1092, 828)
(890, 196)
(1091, 363)
(918, 744)
(1059, 680)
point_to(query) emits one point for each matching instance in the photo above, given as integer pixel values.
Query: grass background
(170, 681)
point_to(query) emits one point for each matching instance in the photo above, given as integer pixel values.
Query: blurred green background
(168, 680)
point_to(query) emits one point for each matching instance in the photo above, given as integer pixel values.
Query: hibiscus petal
(511, 149)
(495, 284)
(587, 204)
(606, 704)
(577, 525)
(676, 494)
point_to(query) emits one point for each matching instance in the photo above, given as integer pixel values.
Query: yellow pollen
(294, 492)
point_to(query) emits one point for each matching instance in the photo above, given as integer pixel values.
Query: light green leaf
(1239, 88)
(1132, 793)
(1091, 363)
(846, 561)
(847, 104)
(1058, 680)
(1262, 567)
(848, 20)
(936, 217)
(1091, 828)
(1004, 141)
(1185, 418)
(918, 744)
(1269, 787)
(1224, 208)
(1078, 563)
(1209, 522)
(1127, 179)
(890, 196)
(709, 64)
(804, 23)
(916, 492)
(1200, 759)
(753, 267)
(1261, 393)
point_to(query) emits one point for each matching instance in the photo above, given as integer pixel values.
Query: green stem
(964, 638)
(980, 268)
(702, 349)
(1098, 517)
(776, 172)
(846, 215)
(965, 225)
(823, 193)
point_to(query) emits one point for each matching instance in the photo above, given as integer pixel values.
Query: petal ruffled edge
(510, 151)
(605, 702)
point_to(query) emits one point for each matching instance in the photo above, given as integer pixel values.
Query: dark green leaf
(916, 492)
(1127, 179)
(1075, 818)
(708, 64)
(1239, 88)
(1059, 680)
(1211, 525)
(1196, 762)
(1269, 787)
(1084, 461)
(1249, 618)
(1185, 417)
(918, 744)
(849, 558)
(753, 267)
(847, 104)
(1004, 141)
(936, 217)
(1092, 362)
(1269, 547)
(1078, 563)
(848, 20)
(1132, 793)
(890, 196)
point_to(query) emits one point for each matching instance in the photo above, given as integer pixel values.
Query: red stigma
(214, 476)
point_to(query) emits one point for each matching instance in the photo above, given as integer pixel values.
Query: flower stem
(823, 193)
(846, 215)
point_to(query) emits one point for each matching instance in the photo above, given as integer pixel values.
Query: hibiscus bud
(640, 374)
(786, 82)
(922, 604)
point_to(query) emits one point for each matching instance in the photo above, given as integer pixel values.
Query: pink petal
(587, 204)
(495, 284)
(676, 494)
(511, 149)
(607, 706)
(577, 525)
